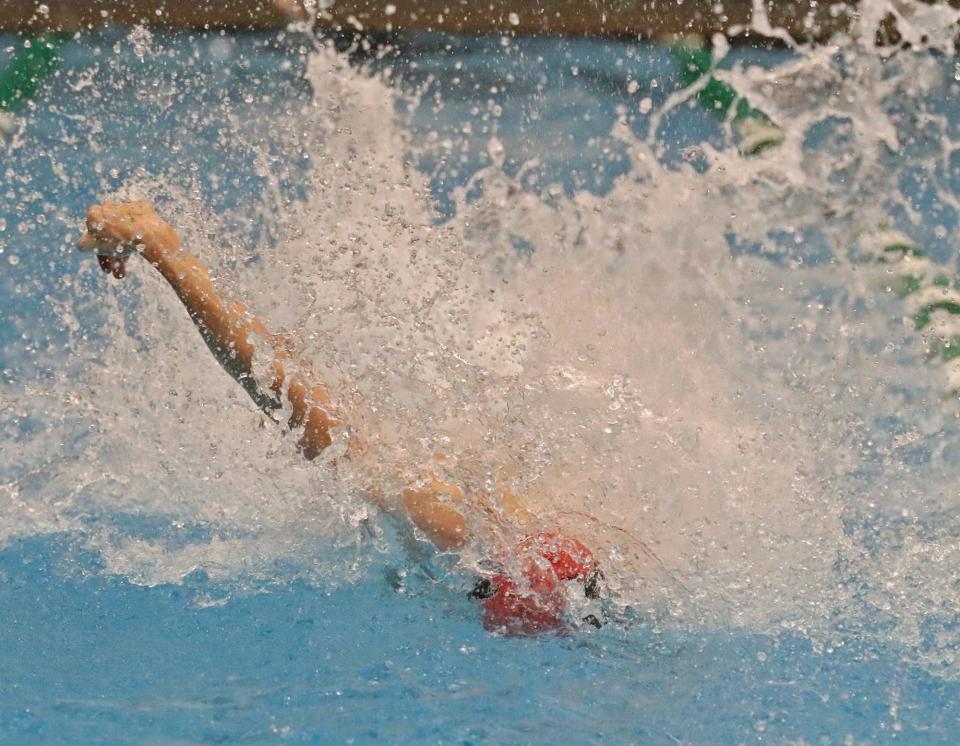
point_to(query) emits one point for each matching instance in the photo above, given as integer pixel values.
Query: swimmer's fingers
(103, 247)
(111, 254)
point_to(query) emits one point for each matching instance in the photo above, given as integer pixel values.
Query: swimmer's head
(527, 605)
(568, 557)
(531, 601)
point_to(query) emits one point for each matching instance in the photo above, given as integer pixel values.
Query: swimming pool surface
(391, 652)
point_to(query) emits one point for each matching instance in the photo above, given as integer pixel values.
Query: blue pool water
(393, 652)
(98, 660)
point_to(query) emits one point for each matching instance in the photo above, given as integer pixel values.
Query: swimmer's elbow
(316, 437)
(444, 526)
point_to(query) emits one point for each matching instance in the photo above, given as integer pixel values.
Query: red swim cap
(570, 559)
(533, 602)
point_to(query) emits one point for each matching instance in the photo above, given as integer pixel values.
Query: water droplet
(514, 19)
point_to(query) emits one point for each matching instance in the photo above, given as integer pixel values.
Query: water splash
(696, 361)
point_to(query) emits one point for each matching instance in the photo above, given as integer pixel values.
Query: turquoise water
(99, 660)
(367, 637)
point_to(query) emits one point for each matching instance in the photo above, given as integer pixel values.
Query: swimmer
(528, 582)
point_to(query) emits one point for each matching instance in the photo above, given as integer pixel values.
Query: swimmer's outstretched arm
(236, 338)
(231, 333)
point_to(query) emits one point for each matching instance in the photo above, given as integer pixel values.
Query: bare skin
(237, 339)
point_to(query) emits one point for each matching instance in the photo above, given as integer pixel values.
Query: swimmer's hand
(115, 230)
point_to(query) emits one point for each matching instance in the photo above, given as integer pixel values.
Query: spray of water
(701, 365)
